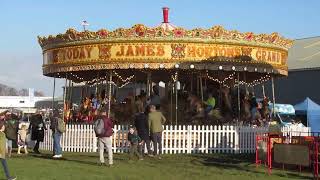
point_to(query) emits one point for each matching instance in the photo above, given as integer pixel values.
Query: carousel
(192, 65)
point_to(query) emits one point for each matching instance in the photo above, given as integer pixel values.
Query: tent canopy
(312, 111)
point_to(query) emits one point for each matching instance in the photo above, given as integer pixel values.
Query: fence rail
(175, 139)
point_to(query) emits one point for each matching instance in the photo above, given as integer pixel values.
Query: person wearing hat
(3, 151)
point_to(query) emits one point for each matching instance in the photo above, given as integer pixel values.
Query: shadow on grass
(241, 163)
(73, 159)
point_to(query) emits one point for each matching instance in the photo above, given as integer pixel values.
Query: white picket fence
(175, 139)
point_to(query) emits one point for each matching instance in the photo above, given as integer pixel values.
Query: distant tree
(23, 92)
(12, 92)
(38, 94)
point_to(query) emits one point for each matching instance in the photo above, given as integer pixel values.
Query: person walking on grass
(105, 138)
(135, 143)
(156, 120)
(3, 152)
(11, 129)
(58, 127)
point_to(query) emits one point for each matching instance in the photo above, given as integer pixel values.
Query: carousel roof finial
(165, 11)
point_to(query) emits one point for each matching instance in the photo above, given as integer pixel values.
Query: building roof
(304, 54)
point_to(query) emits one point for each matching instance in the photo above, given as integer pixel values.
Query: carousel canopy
(81, 55)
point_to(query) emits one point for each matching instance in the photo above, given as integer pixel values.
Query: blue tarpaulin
(312, 111)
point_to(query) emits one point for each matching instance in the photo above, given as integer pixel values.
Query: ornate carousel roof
(164, 47)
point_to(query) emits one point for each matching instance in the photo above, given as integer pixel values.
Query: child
(3, 151)
(22, 138)
(135, 141)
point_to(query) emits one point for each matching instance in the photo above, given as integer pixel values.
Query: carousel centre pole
(64, 97)
(273, 96)
(176, 93)
(53, 92)
(109, 95)
(239, 104)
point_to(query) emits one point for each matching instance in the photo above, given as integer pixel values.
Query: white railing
(175, 139)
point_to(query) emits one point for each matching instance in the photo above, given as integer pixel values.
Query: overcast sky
(22, 21)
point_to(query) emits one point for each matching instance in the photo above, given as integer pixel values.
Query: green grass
(84, 166)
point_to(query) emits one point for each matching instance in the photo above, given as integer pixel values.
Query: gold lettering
(82, 54)
(121, 52)
(69, 54)
(89, 49)
(258, 55)
(130, 51)
(200, 51)
(229, 52)
(192, 51)
(150, 50)
(263, 56)
(208, 51)
(75, 52)
(140, 50)
(160, 50)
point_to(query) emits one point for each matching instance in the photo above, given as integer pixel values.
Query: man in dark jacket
(37, 127)
(105, 140)
(141, 124)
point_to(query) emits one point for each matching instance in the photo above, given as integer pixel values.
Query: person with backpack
(103, 129)
(58, 127)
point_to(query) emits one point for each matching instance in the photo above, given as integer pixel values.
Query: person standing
(37, 127)
(156, 120)
(211, 103)
(11, 130)
(141, 124)
(57, 151)
(105, 139)
(135, 143)
(3, 152)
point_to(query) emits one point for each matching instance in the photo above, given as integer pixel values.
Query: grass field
(84, 166)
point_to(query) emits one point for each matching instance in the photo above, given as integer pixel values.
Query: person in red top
(105, 140)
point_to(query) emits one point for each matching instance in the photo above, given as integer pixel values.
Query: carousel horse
(226, 105)
(246, 113)
(196, 109)
(265, 112)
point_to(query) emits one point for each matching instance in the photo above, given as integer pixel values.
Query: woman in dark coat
(37, 127)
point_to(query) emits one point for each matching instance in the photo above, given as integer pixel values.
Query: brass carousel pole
(64, 97)
(97, 82)
(239, 103)
(176, 93)
(273, 96)
(109, 95)
(191, 86)
(53, 92)
(171, 102)
(201, 88)
(263, 90)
